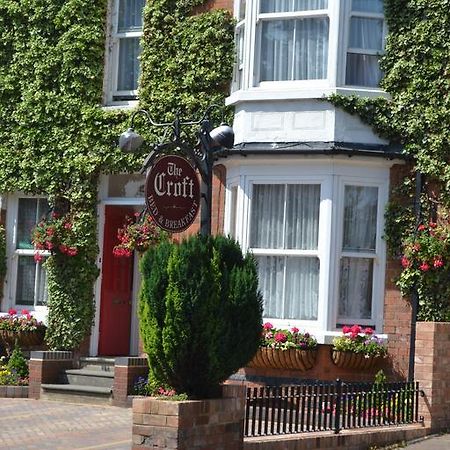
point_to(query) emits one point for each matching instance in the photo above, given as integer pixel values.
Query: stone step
(87, 377)
(97, 363)
(73, 393)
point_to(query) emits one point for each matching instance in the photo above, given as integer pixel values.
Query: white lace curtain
(129, 20)
(287, 217)
(356, 273)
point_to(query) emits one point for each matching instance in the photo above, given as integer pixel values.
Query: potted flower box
(21, 329)
(285, 349)
(357, 348)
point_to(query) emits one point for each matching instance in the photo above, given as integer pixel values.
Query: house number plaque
(172, 193)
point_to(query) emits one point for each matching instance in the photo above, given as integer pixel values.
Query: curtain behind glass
(360, 218)
(363, 70)
(375, 6)
(130, 15)
(294, 49)
(270, 6)
(355, 292)
(129, 51)
(289, 286)
(287, 217)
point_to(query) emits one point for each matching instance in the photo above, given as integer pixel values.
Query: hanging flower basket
(276, 358)
(350, 360)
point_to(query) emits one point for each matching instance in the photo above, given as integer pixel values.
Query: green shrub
(200, 313)
(17, 363)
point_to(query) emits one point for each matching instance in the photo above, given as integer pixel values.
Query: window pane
(242, 9)
(269, 6)
(355, 291)
(267, 217)
(130, 15)
(31, 210)
(302, 288)
(41, 285)
(375, 6)
(290, 295)
(366, 34)
(363, 70)
(294, 49)
(129, 51)
(26, 275)
(271, 281)
(360, 218)
(302, 216)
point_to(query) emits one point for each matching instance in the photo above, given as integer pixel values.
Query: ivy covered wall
(55, 136)
(416, 65)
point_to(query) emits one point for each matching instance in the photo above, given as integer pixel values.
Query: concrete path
(432, 443)
(38, 424)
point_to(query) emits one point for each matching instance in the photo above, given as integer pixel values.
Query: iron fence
(273, 410)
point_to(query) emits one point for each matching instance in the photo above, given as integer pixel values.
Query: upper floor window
(293, 40)
(126, 31)
(284, 44)
(365, 43)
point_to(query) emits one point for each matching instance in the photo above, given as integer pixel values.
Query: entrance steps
(91, 383)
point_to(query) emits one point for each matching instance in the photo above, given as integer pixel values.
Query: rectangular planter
(13, 391)
(191, 424)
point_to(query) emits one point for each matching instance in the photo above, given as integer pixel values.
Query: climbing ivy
(416, 67)
(55, 137)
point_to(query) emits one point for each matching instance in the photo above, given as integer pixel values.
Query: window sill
(260, 94)
(131, 104)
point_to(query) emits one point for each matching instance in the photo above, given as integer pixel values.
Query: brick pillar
(432, 365)
(45, 367)
(192, 424)
(126, 371)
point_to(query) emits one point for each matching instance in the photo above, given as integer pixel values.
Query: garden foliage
(56, 139)
(200, 313)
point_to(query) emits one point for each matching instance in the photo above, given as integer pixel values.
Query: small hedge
(200, 313)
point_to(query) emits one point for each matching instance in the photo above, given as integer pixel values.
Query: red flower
(12, 311)
(295, 330)
(368, 330)
(424, 267)
(38, 257)
(55, 215)
(63, 248)
(50, 231)
(438, 263)
(68, 226)
(280, 337)
(25, 312)
(421, 227)
(72, 251)
(267, 326)
(346, 329)
(406, 262)
(432, 224)
(49, 245)
(355, 329)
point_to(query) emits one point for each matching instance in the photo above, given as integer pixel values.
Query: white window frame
(13, 254)
(113, 96)
(347, 49)
(333, 177)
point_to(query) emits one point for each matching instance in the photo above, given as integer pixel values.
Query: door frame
(95, 331)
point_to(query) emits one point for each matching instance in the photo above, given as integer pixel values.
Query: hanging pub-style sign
(172, 193)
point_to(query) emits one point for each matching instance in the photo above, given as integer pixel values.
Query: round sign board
(172, 193)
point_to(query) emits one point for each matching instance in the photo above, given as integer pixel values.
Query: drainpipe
(415, 293)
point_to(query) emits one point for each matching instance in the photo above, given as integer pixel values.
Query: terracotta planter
(284, 359)
(350, 360)
(24, 338)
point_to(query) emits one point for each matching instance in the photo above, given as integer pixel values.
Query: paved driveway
(37, 424)
(432, 443)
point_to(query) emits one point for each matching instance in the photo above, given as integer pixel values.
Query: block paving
(38, 424)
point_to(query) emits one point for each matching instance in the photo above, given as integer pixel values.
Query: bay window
(316, 234)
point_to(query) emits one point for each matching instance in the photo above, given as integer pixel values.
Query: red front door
(116, 293)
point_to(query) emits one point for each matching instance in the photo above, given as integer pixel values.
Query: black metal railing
(334, 406)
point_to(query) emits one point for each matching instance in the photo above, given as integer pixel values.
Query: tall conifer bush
(200, 313)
